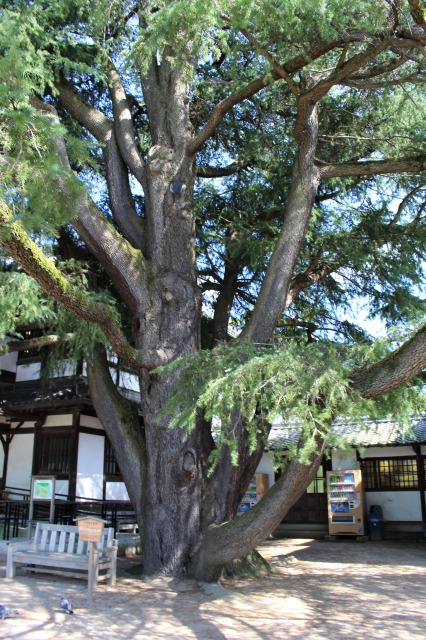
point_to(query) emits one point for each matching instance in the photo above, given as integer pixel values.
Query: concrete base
(391, 531)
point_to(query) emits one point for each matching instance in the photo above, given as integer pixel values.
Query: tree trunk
(174, 487)
(123, 425)
(222, 544)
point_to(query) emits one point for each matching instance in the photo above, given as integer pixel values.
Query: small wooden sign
(90, 529)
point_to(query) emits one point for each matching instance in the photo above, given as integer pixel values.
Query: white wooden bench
(57, 549)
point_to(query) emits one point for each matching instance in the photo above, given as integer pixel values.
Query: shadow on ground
(318, 590)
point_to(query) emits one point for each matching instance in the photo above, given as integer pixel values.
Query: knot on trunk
(160, 159)
(189, 463)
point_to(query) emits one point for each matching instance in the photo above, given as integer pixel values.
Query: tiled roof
(358, 434)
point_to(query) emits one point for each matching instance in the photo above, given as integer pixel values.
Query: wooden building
(393, 464)
(49, 427)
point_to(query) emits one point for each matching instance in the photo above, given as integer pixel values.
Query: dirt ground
(319, 590)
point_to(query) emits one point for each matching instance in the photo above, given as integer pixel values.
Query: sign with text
(90, 529)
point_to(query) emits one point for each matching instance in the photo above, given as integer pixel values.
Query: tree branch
(309, 277)
(123, 263)
(277, 68)
(30, 256)
(342, 72)
(305, 180)
(120, 196)
(402, 204)
(222, 108)
(37, 343)
(90, 118)
(120, 419)
(221, 172)
(386, 83)
(407, 361)
(225, 105)
(233, 539)
(124, 125)
(418, 12)
(374, 167)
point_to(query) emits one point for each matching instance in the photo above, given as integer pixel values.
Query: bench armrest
(112, 547)
(20, 544)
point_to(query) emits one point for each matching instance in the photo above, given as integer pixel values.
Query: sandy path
(320, 590)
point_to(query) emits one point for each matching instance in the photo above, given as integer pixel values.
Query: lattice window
(111, 468)
(54, 454)
(390, 473)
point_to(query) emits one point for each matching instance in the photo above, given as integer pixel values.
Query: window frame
(110, 460)
(63, 470)
(376, 478)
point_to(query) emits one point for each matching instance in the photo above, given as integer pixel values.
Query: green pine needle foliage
(307, 386)
(22, 302)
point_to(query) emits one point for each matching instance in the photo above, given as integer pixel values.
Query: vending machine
(256, 490)
(346, 512)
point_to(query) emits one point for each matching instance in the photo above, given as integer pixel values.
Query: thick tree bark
(175, 464)
(394, 370)
(123, 425)
(235, 538)
(304, 185)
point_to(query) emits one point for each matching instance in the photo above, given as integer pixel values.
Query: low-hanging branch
(398, 367)
(32, 259)
(39, 342)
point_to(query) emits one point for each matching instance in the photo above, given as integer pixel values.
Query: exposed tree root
(253, 565)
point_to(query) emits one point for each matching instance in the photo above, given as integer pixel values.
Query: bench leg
(96, 569)
(113, 569)
(10, 565)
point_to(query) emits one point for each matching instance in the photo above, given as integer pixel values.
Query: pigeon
(5, 612)
(65, 606)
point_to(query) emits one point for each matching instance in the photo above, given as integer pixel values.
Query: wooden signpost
(42, 490)
(90, 530)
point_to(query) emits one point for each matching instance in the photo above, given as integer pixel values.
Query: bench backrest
(65, 539)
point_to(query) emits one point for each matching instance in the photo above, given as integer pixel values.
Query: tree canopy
(216, 189)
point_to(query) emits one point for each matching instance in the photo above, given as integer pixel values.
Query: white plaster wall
(20, 462)
(129, 381)
(266, 465)
(396, 505)
(63, 369)
(90, 421)
(342, 459)
(28, 372)
(61, 420)
(8, 362)
(90, 466)
(388, 452)
(61, 488)
(116, 491)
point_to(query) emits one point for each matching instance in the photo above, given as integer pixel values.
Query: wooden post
(91, 576)
(90, 529)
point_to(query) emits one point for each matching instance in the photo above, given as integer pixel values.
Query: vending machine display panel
(345, 503)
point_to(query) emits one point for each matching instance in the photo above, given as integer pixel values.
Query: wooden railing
(14, 512)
